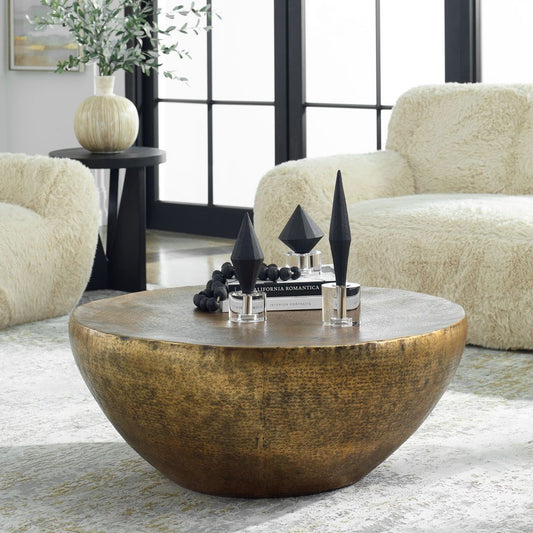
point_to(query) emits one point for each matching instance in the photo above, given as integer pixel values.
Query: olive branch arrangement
(123, 34)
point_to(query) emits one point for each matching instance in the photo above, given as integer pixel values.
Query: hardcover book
(297, 303)
(276, 289)
(303, 293)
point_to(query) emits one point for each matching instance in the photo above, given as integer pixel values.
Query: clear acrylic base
(341, 304)
(246, 308)
(310, 264)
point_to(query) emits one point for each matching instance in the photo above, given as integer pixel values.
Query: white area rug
(63, 468)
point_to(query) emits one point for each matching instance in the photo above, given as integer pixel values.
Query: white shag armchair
(445, 209)
(48, 234)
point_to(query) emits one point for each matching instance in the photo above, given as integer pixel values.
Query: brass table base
(281, 408)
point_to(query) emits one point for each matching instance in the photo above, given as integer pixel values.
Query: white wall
(3, 58)
(37, 107)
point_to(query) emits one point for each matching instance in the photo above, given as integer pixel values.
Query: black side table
(123, 265)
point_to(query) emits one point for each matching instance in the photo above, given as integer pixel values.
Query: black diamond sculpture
(247, 256)
(300, 233)
(340, 235)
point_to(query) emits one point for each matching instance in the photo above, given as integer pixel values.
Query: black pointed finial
(340, 235)
(300, 233)
(247, 256)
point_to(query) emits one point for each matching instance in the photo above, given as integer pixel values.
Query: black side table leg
(99, 278)
(127, 251)
(112, 206)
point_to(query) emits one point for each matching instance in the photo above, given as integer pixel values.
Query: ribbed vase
(106, 122)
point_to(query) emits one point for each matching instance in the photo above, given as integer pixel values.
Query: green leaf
(113, 40)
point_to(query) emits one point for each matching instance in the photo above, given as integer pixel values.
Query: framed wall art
(31, 48)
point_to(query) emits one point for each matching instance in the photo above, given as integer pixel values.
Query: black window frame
(462, 64)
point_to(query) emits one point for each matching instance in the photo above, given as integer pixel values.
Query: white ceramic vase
(106, 122)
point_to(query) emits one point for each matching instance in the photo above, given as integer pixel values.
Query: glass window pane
(412, 45)
(243, 50)
(340, 131)
(506, 41)
(340, 51)
(183, 134)
(193, 68)
(243, 151)
(385, 118)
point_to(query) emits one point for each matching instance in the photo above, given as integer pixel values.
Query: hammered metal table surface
(280, 408)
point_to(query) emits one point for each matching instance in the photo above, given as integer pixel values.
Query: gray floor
(64, 468)
(177, 259)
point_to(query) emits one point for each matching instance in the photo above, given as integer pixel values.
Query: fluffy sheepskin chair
(445, 209)
(48, 235)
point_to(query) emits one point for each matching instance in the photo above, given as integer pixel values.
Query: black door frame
(462, 64)
(462, 41)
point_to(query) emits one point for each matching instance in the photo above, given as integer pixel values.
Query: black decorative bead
(296, 272)
(272, 272)
(218, 276)
(263, 272)
(212, 305)
(227, 270)
(285, 273)
(220, 292)
(203, 303)
(208, 299)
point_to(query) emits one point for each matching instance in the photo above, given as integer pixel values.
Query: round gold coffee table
(287, 407)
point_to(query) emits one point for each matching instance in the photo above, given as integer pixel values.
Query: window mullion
(462, 41)
(210, 182)
(281, 91)
(296, 79)
(378, 74)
